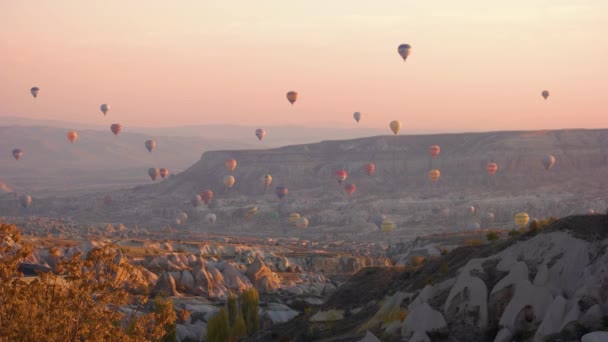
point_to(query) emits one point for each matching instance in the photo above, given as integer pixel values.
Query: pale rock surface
(423, 319)
(596, 336)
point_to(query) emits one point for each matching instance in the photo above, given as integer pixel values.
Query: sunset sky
(475, 65)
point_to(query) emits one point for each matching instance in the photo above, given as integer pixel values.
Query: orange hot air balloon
(230, 164)
(266, 180)
(395, 126)
(72, 136)
(350, 189)
(434, 150)
(116, 128)
(164, 172)
(206, 196)
(369, 168)
(492, 168)
(434, 175)
(292, 97)
(340, 176)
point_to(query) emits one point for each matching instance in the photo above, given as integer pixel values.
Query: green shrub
(514, 233)
(492, 236)
(217, 328)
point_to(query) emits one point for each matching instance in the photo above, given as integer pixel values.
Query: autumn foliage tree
(97, 297)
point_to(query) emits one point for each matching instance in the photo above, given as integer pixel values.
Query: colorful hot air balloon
(492, 168)
(150, 145)
(25, 200)
(522, 219)
(404, 51)
(210, 218)
(395, 126)
(228, 181)
(260, 133)
(153, 173)
(340, 176)
(266, 180)
(350, 188)
(378, 219)
(72, 136)
(302, 223)
(434, 175)
(294, 217)
(230, 164)
(164, 172)
(17, 153)
(387, 225)
(357, 116)
(35, 91)
(548, 162)
(434, 150)
(545, 94)
(196, 200)
(104, 108)
(369, 168)
(292, 97)
(116, 128)
(207, 196)
(281, 191)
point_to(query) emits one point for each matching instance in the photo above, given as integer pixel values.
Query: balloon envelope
(210, 218)
(35, 91)
(357, 116)
(72, 136)
(434, 175)
(196, 200)
(281, 191)
(207, 196)
(434, 150)
(17, 153)
(294, 217)
(492, 168)
(150, 145)
(266, 180)
(395, 126)
(545, 94)
(292, 97)
(116, 128)
(228, 181)
(387, 225)
(104, 108)
(230, 164)
(548, 162)
(302, 223)
(153, 173)
(350, 189)
(25, 200)
(340, 176)
(369, 168)
(260, 133)
(164, 172)
(404, 51)
(522, 219)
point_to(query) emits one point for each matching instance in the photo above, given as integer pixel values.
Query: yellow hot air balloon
(522, 219)
(387, 226)
(302, 223)
(294, 217)
(395, 126)
(72, 136)
(266, 180)
(228, 181)
(250, 212)
(434, 175)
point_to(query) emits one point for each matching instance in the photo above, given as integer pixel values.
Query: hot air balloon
(395, 126)
(404, 51)
(35, 91)
(350, 189)
(72, 136)
(522, 219)
(153, 173)
(489, 216)
(177, 221)
(164, 172)
(434, 175)
(150, 145)
(25, 200)
(387, 225)
(104, 108)
(196, 200)
(434, 150)
(230, 164)
(492, 168)
(294, 217)
(260, 133)
(207, 196)
(357, 116)
(210, 218)
(17, 153)
(107, 200)
(182, 217)
(545, 94)
(340, 176)
(548, 162)
(378, 219)
(250, 212)
(302, 223)
(116, 128)
(281, 191)
(266, 180)
(471, 210)
(369, 168)
(590, 211)
(474, 226)
(292, 97)
(228, 181)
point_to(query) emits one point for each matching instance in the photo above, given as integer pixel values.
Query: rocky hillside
(550, 286)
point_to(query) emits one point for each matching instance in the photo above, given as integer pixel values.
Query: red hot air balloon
(206, 196)
(350, 189)
(164, 172)
(492, 168)
(116, 128)
(230, 164)
(434, 150)
(369, 168)
(340, 176)
(292, 97)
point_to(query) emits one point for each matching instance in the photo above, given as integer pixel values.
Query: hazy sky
(475, 65)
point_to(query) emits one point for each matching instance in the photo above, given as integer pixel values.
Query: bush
(492, 236)
(514, 233)
(82, 302)
(473, 243)
(217, 328)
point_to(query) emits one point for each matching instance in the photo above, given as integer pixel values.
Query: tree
(250, 306)
(233, 308)
(100, 297)
(217, 328)
(239, 329)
